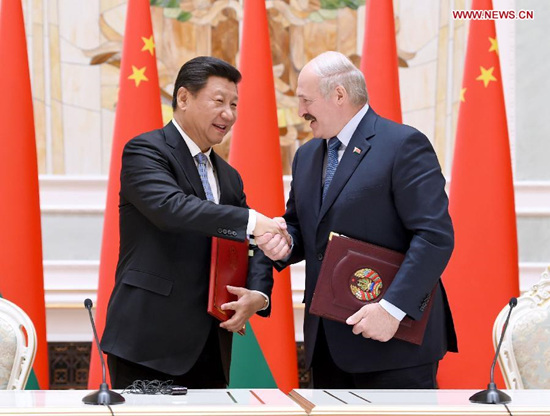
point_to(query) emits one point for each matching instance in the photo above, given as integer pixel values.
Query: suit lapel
(223, 178)
(357, 148)
(183, 156)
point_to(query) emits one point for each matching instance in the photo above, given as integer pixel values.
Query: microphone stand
(103, 396)
(493, 395)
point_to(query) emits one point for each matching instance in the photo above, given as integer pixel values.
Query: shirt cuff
(251, 222)
(290, 252)
(266, 299)
(392, 310)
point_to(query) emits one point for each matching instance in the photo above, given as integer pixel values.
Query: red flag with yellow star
(138, 110)
(483, 271)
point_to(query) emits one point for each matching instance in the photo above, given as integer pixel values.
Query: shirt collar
(345, 134)
(193, 148)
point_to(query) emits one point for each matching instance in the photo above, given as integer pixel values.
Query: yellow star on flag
(138, 75)
(486, 76)
(462, 95)
(148, 44)
(494, 45)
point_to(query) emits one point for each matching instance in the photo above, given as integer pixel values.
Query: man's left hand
(247, 304)
(373, 321)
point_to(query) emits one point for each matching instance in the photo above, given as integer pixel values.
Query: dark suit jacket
(388, 190)
(157, 311)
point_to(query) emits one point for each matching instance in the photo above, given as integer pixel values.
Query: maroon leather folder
(228, 266)
(355, 273)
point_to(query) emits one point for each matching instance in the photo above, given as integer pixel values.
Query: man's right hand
(268, 225)
(275, 246)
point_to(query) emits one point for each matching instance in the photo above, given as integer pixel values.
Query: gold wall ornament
(299, 30)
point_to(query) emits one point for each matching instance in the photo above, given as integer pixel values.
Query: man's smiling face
(210, 113)
(312, 106)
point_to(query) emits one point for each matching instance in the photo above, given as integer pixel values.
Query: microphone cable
(155, 387)
(507, 409)
(152, 387)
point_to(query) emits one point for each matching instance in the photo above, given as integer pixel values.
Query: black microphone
(492, 395)
(103, 395)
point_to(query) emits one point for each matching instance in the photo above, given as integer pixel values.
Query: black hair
(194, 74)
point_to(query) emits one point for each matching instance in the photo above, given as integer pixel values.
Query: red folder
(354, 273)
(228, 266)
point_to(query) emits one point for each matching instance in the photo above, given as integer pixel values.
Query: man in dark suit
(378, 181)
(176, 194)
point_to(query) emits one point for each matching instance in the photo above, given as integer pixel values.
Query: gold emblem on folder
(366, 284)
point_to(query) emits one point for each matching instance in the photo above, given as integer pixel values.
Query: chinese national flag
(483, 272)
(379, 62)
(269, 346)
(21, 271)
(138, 110)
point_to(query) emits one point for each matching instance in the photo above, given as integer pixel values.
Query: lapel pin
(357, 150)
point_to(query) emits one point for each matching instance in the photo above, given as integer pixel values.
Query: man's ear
(183, 97)
(341, 94)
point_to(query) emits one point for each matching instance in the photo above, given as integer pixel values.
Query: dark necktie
(332, 162)
(201, 160)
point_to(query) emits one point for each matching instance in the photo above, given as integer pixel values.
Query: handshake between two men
(272, 237)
